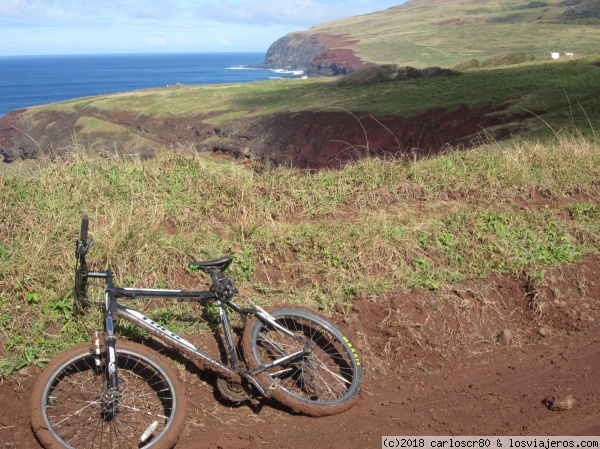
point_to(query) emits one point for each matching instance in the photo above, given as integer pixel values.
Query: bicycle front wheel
(325, 381)
(69, 402)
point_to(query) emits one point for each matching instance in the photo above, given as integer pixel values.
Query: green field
(556, 93)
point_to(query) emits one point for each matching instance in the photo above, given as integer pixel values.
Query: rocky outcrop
(294, 51)
(335, 62)
(14, 143)
(577, 9)
(314, 54)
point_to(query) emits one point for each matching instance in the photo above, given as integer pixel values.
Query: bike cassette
(309, 385)
(232, 392)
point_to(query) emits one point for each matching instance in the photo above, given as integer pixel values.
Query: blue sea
(34, 80)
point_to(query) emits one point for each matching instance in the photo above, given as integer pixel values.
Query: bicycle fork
(110, 398)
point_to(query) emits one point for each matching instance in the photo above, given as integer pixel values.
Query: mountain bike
(113, 393)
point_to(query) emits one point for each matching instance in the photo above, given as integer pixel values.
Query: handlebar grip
(85, 221)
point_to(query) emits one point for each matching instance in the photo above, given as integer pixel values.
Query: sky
(53, 27)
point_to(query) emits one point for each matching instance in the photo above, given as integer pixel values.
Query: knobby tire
(326, 381)
(66, 408)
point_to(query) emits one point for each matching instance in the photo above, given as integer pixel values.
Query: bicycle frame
(111, 392)
(112, 309)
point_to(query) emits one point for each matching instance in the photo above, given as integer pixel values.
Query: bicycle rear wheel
(68, 408)
(325, 381)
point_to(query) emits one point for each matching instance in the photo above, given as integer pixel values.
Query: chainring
(232, 392)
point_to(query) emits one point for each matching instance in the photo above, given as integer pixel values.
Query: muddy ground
(435, 365)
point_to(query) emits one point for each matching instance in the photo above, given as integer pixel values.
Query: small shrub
(430, 72)
(532, 5)
(391, 72)
(467, 65)
(511, 58)
(370, 75)
(409, 73)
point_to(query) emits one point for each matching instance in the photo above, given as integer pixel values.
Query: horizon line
(133, 53)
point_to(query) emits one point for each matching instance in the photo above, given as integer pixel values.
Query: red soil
(434, 366)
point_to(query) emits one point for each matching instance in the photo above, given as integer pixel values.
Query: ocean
(35, 80)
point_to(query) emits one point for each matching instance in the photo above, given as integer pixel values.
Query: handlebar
(85, 223)
(82, 245)
(222, 286)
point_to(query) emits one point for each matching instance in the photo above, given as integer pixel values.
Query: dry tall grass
(318, 238)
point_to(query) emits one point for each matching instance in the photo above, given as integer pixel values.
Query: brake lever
(82, 249)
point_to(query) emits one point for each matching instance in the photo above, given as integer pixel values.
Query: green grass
(317, 239)
(517, 208)
(92, 124)
(562, 93)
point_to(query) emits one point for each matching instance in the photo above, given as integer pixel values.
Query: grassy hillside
(543, 85)
(318, 239)
(544, 94)
(425, 33)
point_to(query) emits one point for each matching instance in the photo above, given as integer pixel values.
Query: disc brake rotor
(309, 384)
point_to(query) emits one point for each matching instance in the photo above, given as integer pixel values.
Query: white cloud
(23, 12)
(294, 12)
(160, 10)
(50, 13)
(156, 41)
(255, 12)
(101, 26)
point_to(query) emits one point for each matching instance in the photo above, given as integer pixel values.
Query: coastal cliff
(294, 51)
(434, 33)
(314, 54)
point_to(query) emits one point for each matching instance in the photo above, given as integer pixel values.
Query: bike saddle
(220, 264)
